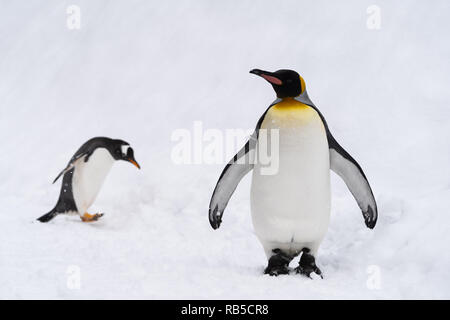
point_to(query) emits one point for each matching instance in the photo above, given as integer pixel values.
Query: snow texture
(138, 70)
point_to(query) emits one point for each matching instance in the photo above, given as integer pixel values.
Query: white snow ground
(138, 70)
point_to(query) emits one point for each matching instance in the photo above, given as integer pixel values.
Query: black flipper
(85, 151)
(350, 171)
(343, 164)
(232, 174)
(71, 164)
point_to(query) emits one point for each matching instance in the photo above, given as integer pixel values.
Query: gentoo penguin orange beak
(130, 158)
(135, 163)
(269, 76)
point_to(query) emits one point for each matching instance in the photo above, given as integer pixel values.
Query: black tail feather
(48, 216)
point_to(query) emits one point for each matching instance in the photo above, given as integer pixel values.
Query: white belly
(291, 209)
(88, 178)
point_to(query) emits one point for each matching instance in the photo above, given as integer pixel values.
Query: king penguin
(291, 207)
(84, 175)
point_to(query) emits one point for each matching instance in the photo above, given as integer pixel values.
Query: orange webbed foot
(91, 217)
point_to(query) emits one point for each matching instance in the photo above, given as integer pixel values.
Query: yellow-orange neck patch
(290, 113)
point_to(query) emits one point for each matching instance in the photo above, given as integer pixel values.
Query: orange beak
(135, 163)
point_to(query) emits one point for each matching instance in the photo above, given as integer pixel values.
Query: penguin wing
(71, 164)
(231, 175)
(343, 164)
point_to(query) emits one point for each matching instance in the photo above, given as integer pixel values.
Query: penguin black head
(286, 83)
(121, 150)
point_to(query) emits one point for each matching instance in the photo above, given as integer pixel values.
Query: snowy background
(138, 70)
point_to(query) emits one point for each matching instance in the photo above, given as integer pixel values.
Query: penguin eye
(289, 80)
(124, 149)
(118, 151)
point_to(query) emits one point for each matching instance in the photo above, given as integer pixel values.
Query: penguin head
(121, 150)
(286, 83)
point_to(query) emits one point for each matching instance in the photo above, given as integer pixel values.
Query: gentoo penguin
(291, 208)
(84, 176)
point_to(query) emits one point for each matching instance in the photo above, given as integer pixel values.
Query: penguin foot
(275, 271)
(307, 265)
(307, 271)
(91, 217)
(278, 263)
